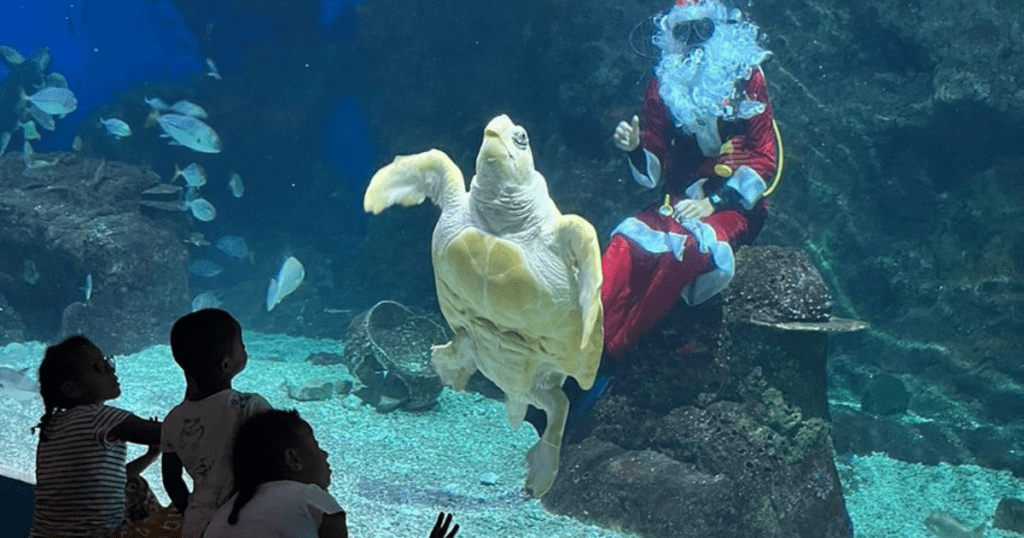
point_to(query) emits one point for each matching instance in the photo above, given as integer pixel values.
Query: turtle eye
(520, 140)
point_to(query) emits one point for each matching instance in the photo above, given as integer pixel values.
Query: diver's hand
(627, 135)
(441, 527)
(693, 209)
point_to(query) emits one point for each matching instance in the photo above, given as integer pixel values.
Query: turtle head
(505, 152)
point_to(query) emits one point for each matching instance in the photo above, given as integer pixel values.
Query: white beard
(704, 83)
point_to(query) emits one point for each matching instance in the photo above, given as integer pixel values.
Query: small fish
(87, 289)
(288, 279)
(76, 144)
(212, 69)
(197, 239)
(202, 209)
(194, 174)
(944, 525)
(207, 299)
(189, 132)
(55, 101)
(30, 273)
(188, 108)
(42, 118)
(56, 80)
(116, 127)
(28, 155)
(162, 188)
(234, 246)
(156, 103)
(42, 59)
(12, 56)
(164, 205)
(29, 130)
(235, 185)
(18, 385)
(205, 268)
(5, 139)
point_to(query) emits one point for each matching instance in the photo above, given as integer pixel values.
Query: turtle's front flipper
(410, 179)
(579, 240)
(542, 459)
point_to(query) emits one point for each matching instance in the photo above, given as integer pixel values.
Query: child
(80, 461)
(281, 479)
(198, 433)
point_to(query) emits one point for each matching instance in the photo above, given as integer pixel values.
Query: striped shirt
(80, 474)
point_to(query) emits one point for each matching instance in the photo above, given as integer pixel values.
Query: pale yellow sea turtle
(518, 282)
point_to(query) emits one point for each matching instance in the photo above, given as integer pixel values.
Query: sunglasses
(693, 32)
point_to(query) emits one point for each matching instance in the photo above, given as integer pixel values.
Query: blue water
(104, 47)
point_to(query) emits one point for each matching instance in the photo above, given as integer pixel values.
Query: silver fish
(207, 299)
(236, 186)
(288, 279)
(190, 132)
(42, 118)
(5, 139)
(42, 59)
(116, 127)
(188, 108)
(213, 72)
(29, 130)
(234, 246)
(17, 384)
(202, 209)
(56, 80)
(156, 103)
(205, 268)
(162, 188)
(55, 101)
(197, 239)
(944, 525)
(87, 289)
(12, 56)
(194, 174)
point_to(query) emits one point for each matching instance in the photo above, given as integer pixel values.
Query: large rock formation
(717, 424)
(79, 257)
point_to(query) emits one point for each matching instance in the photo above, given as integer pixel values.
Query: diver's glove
(627, 135)
(725, 198)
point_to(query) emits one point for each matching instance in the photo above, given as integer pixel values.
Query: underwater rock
(780, 287)
(724, 420)
(1009, 515)
(77, 218)
(885, 394)
(387, 349)
(315, 391)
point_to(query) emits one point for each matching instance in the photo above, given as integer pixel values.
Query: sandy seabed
(393, 472)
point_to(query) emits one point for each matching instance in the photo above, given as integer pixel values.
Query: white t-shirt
(202, 434)
(279, 509)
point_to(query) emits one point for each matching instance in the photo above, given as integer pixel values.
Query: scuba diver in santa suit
(708, 141)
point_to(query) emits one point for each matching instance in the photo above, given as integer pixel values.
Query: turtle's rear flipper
(542, 459)
(410, 179)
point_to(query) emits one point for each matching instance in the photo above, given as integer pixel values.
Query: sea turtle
(518, 282)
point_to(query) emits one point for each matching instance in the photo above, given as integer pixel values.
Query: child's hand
(441, 526)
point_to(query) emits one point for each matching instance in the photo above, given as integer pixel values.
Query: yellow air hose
(778, 168)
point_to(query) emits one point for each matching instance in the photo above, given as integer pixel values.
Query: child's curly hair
(56, 369)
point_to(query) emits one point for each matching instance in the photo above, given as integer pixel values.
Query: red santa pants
(643, 278)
